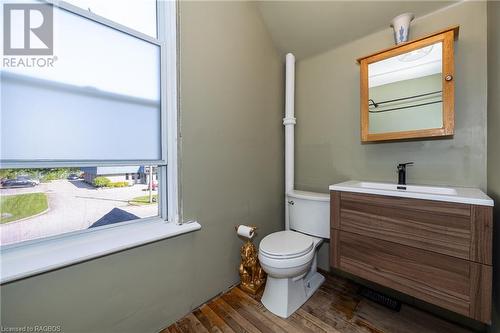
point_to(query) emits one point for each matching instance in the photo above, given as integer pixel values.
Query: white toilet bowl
(289, 259)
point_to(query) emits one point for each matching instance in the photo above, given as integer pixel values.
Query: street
(75, 205)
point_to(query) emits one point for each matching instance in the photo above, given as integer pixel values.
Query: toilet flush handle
(291, 202)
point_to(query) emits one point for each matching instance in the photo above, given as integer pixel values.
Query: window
(69, 137)
(134, 14)
(84, 106)
(38, 203)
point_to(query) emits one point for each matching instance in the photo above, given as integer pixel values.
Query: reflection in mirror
(405, 91)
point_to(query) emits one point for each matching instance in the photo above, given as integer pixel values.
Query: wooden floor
(335, 307)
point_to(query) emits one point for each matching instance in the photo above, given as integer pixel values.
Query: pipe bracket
(289, 121)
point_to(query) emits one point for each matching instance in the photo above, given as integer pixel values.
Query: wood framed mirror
(407, 91)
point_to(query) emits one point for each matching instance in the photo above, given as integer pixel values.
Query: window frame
(37, 253)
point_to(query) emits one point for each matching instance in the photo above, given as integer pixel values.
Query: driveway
(74, 205)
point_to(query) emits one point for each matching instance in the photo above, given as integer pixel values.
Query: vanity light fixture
(401, 26)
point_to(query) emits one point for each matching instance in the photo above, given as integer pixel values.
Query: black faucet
(402, 173)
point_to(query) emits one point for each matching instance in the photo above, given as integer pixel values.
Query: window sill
(19, 262)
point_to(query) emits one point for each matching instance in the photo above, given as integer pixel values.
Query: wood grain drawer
(458, 230)
(455, 284)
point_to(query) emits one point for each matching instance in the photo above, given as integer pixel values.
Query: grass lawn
(143, 200)
(16, 207)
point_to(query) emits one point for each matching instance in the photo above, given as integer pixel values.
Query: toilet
(289, 257)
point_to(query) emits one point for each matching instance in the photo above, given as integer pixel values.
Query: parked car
(18, 183)
(28, 179)
(73, 176)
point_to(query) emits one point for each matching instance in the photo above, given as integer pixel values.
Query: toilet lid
(286, 244)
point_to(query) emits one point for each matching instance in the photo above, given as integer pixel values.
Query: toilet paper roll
(245, 231)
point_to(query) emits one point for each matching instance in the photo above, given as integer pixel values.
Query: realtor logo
(28, 29)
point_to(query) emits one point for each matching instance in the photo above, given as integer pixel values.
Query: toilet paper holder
(246, 231)
(252, 275)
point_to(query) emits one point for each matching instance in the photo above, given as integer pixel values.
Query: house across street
(130, 174)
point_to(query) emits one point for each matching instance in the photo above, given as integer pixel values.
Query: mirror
(406, 90)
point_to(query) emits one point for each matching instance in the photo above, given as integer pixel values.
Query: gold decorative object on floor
(252, 276)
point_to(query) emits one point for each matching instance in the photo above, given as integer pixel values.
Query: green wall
(232, 172)
(328, 147)
(327, 110)
(494, 145)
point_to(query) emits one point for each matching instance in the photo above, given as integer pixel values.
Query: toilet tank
(309, 213)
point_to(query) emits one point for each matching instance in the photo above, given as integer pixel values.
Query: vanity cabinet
(439, 252)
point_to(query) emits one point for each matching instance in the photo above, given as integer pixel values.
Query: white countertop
(466, 195)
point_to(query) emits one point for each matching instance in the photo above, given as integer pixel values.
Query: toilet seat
(286, 245)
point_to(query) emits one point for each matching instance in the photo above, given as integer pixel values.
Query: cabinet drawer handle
(448, 77)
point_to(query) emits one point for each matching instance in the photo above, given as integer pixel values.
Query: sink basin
(410, 188)
(464, 195)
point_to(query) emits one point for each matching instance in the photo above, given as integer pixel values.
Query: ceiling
(418, 63)
(309, 27)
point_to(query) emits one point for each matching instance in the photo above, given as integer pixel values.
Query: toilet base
(284, 296)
